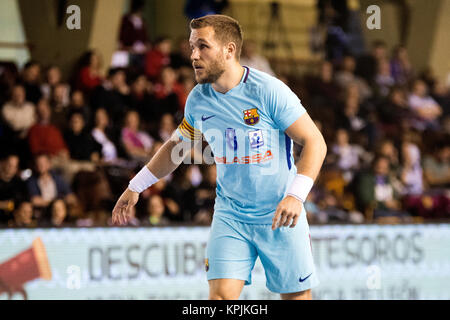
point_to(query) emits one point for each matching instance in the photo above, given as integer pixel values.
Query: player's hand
(122, 209)
(287, 213)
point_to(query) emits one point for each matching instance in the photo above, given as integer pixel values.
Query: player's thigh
(225, 289)
(302, 295)
(229, 253)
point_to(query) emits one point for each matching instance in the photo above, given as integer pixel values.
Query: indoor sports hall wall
(354, 262)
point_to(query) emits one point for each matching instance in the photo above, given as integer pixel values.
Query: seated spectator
(252, 59)
(142, 100)
(109, 150)
(89, 75)
(401, 68)
(169, 196)
(346, 76)
(18, 113)
(113, 95)
(133, 34)
(374, 191)
(411, 173)
(80, 142)
(137, 143)
(441, 94)
(56, 215)
(44, 185)
(155, 212)
(23, 216)
(205, 194)
(31, 78)
(53, 80)
(167, 127)
(44, 137)
(12, 188)
(424, 107)
(324, 92)
(394, 113)
(350, 118)
(383, 79)
(349, 158)
(158, 57)
(59, 98)
(181, 59)
(169, 93)
(436, 166)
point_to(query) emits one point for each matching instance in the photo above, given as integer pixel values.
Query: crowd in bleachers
(70, 147)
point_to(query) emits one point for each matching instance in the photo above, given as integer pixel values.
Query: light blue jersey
(245, 129)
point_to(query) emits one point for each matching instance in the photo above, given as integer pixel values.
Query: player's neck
(229, 79)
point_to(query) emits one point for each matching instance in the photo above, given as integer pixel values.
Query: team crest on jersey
(251, 116)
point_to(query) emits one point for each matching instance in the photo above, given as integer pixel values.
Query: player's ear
(230, 50)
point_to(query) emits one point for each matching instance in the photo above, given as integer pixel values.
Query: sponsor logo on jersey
(256, 158)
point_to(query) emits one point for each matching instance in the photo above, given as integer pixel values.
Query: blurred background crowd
(69, 148)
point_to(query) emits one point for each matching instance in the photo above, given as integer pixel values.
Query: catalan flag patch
(188, 131)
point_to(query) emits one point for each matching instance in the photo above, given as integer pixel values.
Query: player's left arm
(303, 131)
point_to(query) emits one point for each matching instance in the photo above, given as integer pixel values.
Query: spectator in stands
(137, 143)
(350, 118)
(425, 108)
(89, 75)
(133, 34)
(12, 188)
(204, 195)
(323, 90)
(167, 127)
(44, 185)
(411, 169)
(101, 136)
(383, 79)
(367, 64)
(436, 166)
(441, 94)
(346, 76)
(80, 142)
(252, 59)
(349, 158)
(158, 57)
(169, 93)
(155, 212)
(169, 196)
(393, 113)
(52, 80)
(374, 191)
(401, 68)
(23, 216)
(18, 113)
(181, 59)
(31, 77)
(44, 137)
(113, 95)
(56, 215)
(142, 100)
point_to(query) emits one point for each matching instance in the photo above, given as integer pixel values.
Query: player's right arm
(164, 162)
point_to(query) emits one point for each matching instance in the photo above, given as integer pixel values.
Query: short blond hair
(226, 29)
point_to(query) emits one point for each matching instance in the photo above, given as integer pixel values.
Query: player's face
(207, 55)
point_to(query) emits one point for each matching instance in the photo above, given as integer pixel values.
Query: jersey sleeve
(186, 130)
(284, 106)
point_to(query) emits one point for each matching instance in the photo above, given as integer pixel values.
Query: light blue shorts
(285, 253)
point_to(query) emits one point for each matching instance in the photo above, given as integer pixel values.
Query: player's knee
(302, 295)
(221, 295)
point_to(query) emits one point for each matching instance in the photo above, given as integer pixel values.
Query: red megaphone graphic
(28, 265)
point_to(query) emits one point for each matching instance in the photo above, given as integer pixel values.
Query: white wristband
(300, 187)
(142, 180)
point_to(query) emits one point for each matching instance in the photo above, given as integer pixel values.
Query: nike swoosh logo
(301, 280)
(206, 118)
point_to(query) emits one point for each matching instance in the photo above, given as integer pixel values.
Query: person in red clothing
(89, 75)
(158, 57)
(43, 136)
(169, 93)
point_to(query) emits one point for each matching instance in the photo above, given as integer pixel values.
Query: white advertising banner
(352, 261)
